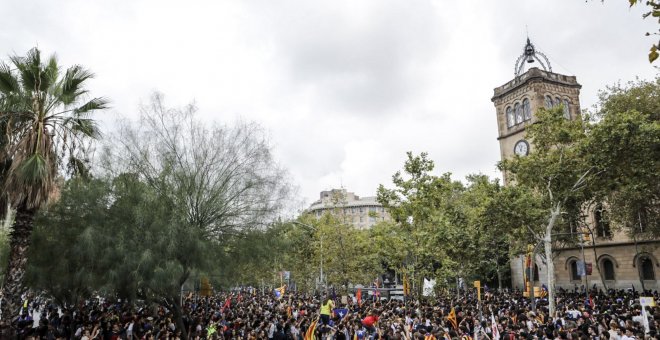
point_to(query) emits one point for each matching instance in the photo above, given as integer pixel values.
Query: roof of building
(362, 202)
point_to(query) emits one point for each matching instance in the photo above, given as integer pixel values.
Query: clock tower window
(519, 114)
(527, 111)
(509, 117)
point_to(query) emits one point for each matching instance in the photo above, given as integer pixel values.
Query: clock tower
(517, 101)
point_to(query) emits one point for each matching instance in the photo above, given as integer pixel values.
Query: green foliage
(44, 119)
(431, 224)
(554, 174)
(115, 236)
(623, 145)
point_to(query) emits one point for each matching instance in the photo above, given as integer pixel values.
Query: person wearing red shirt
(369, 321)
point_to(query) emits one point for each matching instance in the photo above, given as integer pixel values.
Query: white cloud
(344, 87)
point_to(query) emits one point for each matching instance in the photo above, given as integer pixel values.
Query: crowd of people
(595, 315)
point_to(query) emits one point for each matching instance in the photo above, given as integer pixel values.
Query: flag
(359, 296)
(289, 312)
(452, 318)
(227, 303)
(279, 292)
(540, 318)
(494, 329)
(341, 312)
(406, 285)
(309, 335)
(645, 320)
(544, 290)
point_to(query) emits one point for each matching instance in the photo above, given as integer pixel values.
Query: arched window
(608, 269)
(646, 268)
(527, 110)
(519, 115)
(509, 117)
(567, 112)
(548, 102)
(602, 222)
(574, 271)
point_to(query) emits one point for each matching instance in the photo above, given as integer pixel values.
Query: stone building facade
(616, 260)
(360, 212)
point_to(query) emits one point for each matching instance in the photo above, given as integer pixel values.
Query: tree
(66, 257)
(555, 173)
(424, 206)
(622, 144)
(44, 119)
(216, 181)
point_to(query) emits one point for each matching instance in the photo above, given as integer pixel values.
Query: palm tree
(44, 120)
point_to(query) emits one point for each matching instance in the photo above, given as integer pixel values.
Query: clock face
(521, 148)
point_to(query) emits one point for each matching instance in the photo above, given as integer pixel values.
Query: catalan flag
(406, 285)
(279, 292)
(309, 335)
(452, 318)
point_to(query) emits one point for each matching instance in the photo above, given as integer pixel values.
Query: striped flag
(452, 318)
(406, 285)
(309, 335)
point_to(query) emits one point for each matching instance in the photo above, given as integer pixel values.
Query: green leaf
(653, 55)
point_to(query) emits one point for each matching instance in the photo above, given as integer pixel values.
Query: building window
(574, 271)
(509, 117)
(567, 113)
(527, 110)
(646, 268)
(602, 222)
(557, 102)
(608, 269)
(548, 102)
(519, 114)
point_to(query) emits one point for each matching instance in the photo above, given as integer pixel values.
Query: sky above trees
(344, 88)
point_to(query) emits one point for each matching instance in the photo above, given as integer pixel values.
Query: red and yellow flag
(452, 318)
(406, 285)
(309, 335)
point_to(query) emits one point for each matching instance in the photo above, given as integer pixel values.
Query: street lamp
(313, 228)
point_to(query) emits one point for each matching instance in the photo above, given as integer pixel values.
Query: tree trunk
(19, 243)
(499, 277)
(600, 272)
(550, 265)
(178, 316)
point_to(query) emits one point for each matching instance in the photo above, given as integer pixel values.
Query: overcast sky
(344, 87)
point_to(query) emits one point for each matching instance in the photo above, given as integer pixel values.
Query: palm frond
(85, 126)
(98, 103)
(70, 88)
(34, 169)
(8, 82)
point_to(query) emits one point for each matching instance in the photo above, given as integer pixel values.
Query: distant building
(623, 262)
(359, 212)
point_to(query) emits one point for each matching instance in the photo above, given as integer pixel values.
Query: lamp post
(310, 227)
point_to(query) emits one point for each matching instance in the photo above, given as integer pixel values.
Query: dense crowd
(596, 315)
